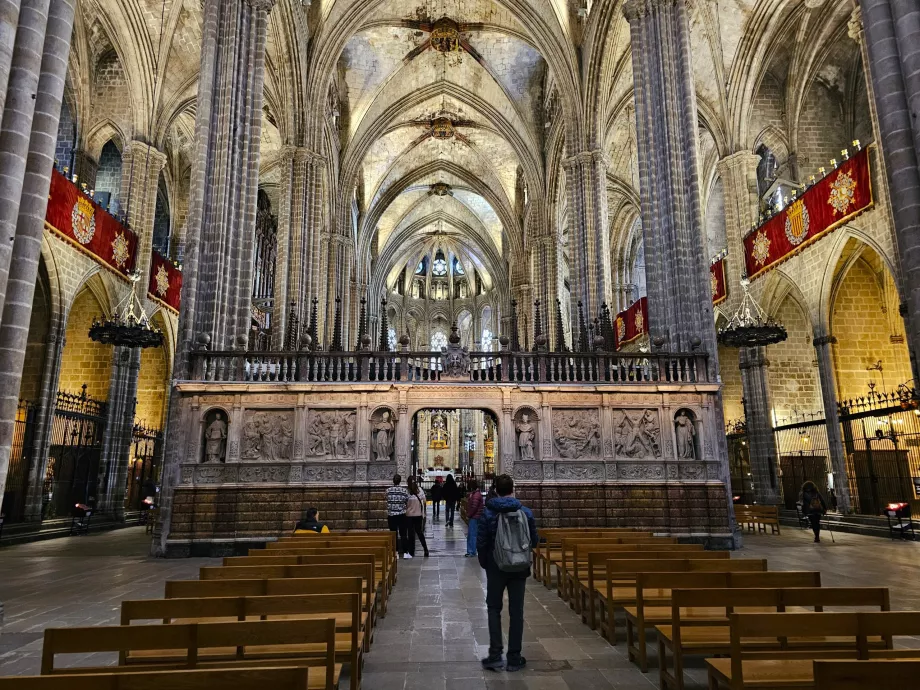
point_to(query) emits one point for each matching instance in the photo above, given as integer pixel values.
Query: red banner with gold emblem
(717, 281)
(165, 282)
(73, 216)
(843, 194)
(631, 323)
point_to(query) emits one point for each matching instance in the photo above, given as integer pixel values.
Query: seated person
(311, 524)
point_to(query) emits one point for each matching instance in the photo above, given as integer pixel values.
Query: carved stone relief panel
(691, 470)
(275, 474)
(580, 472)
(637, 433)
(333, 473)
(640, 470)
(360, 472)
(380, 471)
(549, 470)
(268, 435)
(330, 434)
(530, 471)
(577, 433)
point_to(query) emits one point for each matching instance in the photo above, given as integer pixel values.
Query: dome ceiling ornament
(443, 126)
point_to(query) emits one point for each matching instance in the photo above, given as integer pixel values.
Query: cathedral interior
(656, 260)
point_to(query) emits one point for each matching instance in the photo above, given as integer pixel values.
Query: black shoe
(426, 553)
(817, 540)
(493, 663)
(515, 664)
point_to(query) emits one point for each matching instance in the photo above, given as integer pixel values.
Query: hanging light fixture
(129, 326)
(750, 326)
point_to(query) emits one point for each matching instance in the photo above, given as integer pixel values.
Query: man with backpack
(507, 534)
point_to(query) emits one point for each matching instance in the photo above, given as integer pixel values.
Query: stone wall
(84, 360)
(228, 520)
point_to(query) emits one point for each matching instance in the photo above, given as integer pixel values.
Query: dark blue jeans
(496, 584)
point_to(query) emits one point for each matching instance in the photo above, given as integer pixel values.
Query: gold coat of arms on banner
(83, 220)
(797, 222)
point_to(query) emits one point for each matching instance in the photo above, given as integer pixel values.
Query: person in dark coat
(451, 496)
(437, 495)
(311, 524)
(497, 581)
(814, 507)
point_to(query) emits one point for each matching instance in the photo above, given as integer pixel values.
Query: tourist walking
(311, 524)
(397, 500)
(506, 537)
(814, 507)
(415, 514)
(475, 504)
(437, 495)
(451, 496)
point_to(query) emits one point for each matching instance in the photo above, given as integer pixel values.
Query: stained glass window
(391, 339)
(439, 267)
(486, 340)
(438, 341)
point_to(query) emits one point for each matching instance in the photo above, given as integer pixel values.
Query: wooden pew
(385, 539)
(273, 678)
(188, 589)
(656, 609)
(344, 609)
(309, 643)
(551, 542)
(588, 589)
(620, 587)
(563, 563)
(803, 638)
(313, 566)
(859, 675)
(588, 562)
(759, 516)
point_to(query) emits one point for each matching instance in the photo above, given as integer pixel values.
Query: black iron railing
(425, 367)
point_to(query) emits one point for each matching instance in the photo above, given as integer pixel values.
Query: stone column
(119, 432)
(16, 123)
(9, 19)
(739, 182)
(217, 285)
(141, 165)
(822, 343)
(284, 253)
(589, 243)
(26, 247)
(679, 298)
(219, 245)
(889, 66)
(757, 406)
(676, 265)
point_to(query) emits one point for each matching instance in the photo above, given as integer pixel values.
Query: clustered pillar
(31, 111)
(216, 292)
(890, 30)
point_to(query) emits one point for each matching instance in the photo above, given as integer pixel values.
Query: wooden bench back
(597, 560)
(318, 541)
(859, 675)
(273, 572)
(780, 598)
(190, 638)
(281, 678)
(618, 569)
(185, 589)
(304, 555)
(671, 580)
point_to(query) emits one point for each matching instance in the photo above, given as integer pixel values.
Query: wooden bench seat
(862, 674)
(652, 609)
(620, 581)
(200, 644)
(384, 551)
(759, 516)
(869, 635)
(551, 542)
(273, 678)
(345, 609)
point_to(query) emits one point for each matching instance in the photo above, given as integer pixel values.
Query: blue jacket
(488, 526)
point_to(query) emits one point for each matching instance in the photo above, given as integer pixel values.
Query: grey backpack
(511, 552)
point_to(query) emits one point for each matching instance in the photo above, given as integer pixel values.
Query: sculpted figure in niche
(686, 433)
(315, 437)
(526, 437)
(215, 439)
(384, 430)
(286, 438)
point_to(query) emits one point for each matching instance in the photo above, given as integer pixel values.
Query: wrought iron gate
(881, 440)
(144, 468)
(17, 479)
(73, 458)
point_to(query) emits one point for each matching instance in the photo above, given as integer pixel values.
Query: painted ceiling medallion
(442, 128)
(445, 36)
(441, 189)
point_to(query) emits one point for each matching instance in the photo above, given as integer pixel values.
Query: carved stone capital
(266, 5)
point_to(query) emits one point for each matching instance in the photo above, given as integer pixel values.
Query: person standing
(814, 507)
(437, 495)
(451, 496)
(397, 500)
(507, 536)
(474, 507)
(415, 514)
